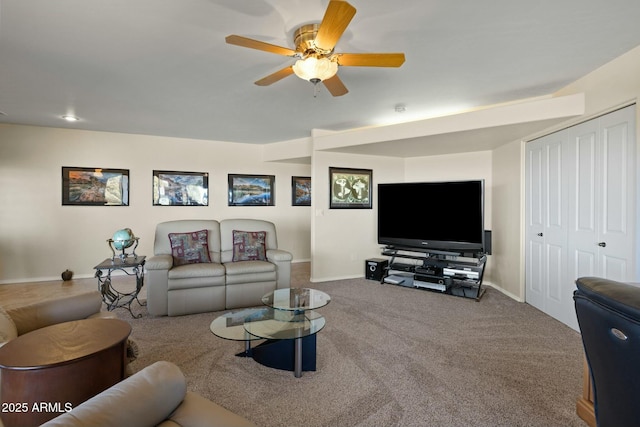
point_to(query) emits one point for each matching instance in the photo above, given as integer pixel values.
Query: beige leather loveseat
(208, 265)
(155, 396)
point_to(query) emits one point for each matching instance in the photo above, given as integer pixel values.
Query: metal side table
(112, 297)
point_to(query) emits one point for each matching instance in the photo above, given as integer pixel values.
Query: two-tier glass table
(288, 323)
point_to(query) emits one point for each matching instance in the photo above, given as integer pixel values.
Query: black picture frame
(251, 190)
(173, 188)
(300, 191)
(82, 186)
(350, 188)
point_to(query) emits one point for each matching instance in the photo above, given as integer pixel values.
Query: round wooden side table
(53, 369)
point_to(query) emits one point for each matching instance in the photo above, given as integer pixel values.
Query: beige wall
(342, 239)
(39, 238)
(507, 265)
(609, 86)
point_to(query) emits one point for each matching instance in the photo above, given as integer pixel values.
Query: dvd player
(398, 266)
(464, 272)
(438, 283)
(430, 285)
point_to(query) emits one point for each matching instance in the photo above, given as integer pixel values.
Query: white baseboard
(331, 279)
(501, 290)
(56, 278)
(30, 280)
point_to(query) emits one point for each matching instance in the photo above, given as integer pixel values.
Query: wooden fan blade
(256, 44)
(371, 59)
(335, 21)
(278, 75)
(335, 86)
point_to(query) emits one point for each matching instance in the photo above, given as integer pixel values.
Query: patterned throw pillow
(249, 245)
(190, 248)
(8, 329)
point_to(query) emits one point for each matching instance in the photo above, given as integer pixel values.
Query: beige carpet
(390, 356)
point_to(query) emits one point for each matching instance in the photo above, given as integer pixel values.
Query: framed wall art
(95, 186)
(301, 191)
(172, 188)
(350, 188)
(251, 190)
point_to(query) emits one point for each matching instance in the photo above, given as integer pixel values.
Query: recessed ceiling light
(70, 118)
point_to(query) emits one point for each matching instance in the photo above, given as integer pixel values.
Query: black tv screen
(439, 216)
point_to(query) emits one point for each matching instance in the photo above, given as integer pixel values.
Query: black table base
(280, 354)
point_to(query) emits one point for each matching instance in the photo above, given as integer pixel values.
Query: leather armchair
(20, 320)
(609, 318)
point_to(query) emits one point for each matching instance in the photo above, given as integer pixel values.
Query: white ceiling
(162, 67)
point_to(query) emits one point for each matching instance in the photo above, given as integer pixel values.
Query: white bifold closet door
(580, 210)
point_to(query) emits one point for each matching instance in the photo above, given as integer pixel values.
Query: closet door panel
(534, 233)
(615, 268)
(583, 209)
(535, 185)
(555, 261)
(554, 200)
(617, 224)
(535, 275)
(583, 141)
(558, 297)
(615, 180)
(583, 264)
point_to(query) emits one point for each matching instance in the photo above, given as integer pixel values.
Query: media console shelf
(436, 271)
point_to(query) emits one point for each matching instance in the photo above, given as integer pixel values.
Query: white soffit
(477, 130)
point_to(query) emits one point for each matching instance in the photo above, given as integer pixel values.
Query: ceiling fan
(317, 61)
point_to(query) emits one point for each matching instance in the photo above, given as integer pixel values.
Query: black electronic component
(375, 268)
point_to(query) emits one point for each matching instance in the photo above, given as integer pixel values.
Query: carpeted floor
(390, 356)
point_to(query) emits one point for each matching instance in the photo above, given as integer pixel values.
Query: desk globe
(121, 241)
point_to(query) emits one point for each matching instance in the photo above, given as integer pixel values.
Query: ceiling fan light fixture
(312, 68)
(314, 51)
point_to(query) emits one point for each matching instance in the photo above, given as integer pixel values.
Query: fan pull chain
(316, 89)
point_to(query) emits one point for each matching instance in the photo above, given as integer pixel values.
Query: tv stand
(446, 272)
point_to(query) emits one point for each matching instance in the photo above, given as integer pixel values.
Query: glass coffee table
(230, 326)
(287, 323)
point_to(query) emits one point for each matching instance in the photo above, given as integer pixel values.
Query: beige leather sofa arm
(50, 312)
(159, 262)
(278, 255)
(282, 260)
(157, 278)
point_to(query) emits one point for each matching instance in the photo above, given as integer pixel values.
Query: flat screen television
(436, 216)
